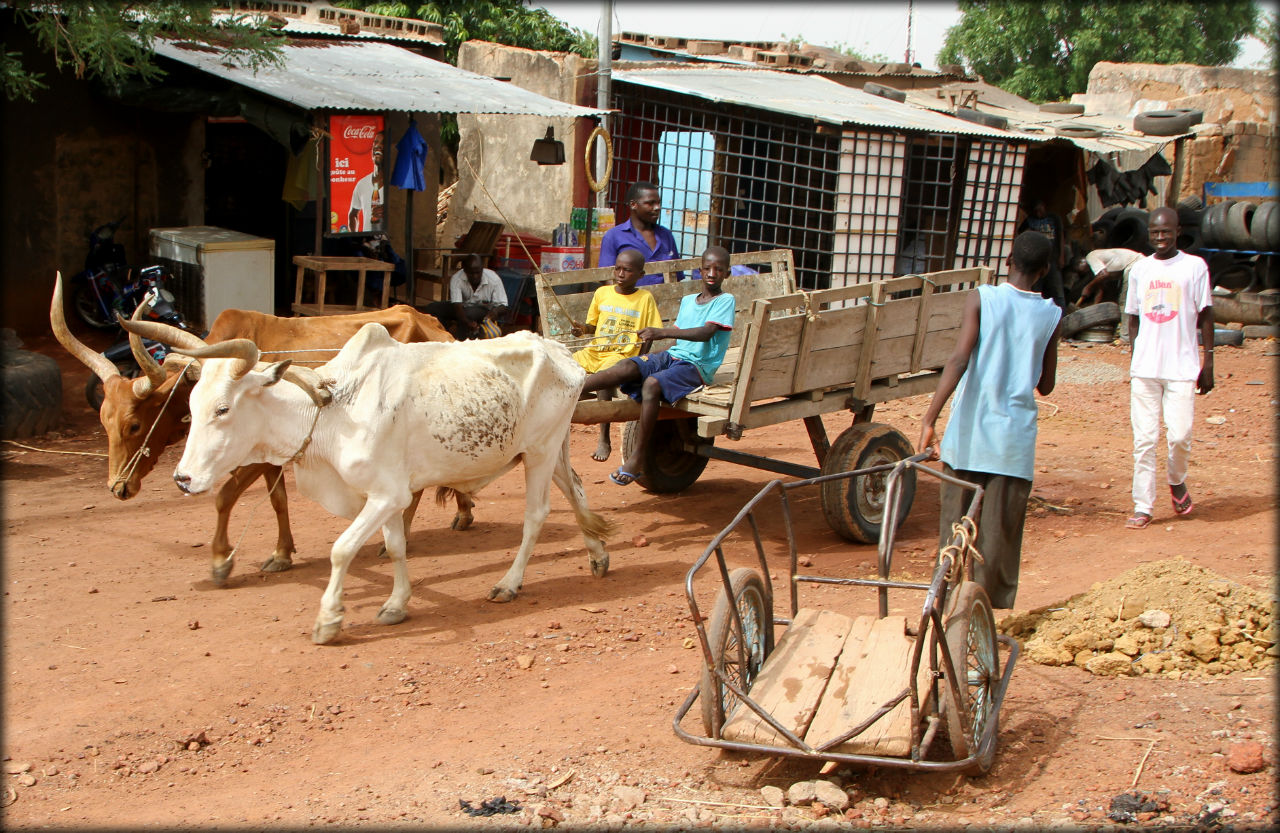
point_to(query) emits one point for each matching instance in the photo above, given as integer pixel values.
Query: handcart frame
(966, 704)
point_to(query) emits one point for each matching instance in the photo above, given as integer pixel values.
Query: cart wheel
(723, 636)
(668, 466)
(854, 506)
(971, 638)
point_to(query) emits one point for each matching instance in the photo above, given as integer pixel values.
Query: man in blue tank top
(1007, 349)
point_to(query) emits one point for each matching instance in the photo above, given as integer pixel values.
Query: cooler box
(563, 258)
(215, 269)
(509, 252)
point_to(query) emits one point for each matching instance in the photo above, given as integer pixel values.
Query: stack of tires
(1125, 228)
(1241, 225)
(32, 385)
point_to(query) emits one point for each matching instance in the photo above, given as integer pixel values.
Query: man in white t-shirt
(477, 299)
(1167, 301)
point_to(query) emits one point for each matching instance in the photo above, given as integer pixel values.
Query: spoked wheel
(668, 466)
(755, 638)
(971, 639)
(85, 303)
(854, 507)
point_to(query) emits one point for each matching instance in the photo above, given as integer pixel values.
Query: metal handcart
(872, 690)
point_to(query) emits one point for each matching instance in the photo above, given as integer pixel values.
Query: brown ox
(143, 416)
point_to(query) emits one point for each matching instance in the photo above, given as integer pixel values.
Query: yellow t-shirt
(616, 317)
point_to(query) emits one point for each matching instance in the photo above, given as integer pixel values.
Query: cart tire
(667, 466)
(724, 637)
(854, 506)
(971, 639)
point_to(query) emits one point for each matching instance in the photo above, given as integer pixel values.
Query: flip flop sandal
(1184, 506)
(1138, 522)
(622, 478)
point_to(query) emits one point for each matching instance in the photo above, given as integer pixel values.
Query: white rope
(54, 451)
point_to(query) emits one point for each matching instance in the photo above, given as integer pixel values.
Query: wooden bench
(322, 266)
(828, 674)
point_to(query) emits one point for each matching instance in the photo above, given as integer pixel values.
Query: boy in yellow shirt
(618, 311)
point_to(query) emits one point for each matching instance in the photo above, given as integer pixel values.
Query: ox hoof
(277, 564)
(391, 615)
(382, 551)
(323, 634)
(501, 594)
(461, 522)
(600, 568)
(220, 572)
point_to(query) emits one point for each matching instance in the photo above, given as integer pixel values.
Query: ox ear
(275, 372)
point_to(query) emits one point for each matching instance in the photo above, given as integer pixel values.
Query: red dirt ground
(139, 694)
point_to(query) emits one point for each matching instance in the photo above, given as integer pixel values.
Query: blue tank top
(992, 427)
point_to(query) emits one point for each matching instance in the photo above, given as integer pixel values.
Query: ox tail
(444, 494)
(591, 524)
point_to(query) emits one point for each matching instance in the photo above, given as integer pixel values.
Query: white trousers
(1149, 399)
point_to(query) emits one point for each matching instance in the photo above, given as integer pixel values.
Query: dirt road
(138, 693)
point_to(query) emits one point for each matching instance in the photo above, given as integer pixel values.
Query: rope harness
(144, 450)
(967, 531)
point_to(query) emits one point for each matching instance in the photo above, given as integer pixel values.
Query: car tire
(1097, 315)
(979, 117)
(32, 394)
(1193, 116)
(1065, 108)
(1078, 131)
(1213, 224)
(883, 91)
(1191, 201)
(1236, 228)
(1130, 231)
(1264, 228)
(1189, 240)
(1162, 123)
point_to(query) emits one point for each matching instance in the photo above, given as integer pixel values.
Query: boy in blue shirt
(1007, 349)
(702, 328)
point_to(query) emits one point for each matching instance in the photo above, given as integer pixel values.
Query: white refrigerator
(214, 269)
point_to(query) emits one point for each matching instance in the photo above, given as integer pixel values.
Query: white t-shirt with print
(1168, 296)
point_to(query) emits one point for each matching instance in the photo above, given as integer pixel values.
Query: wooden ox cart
(793, 355)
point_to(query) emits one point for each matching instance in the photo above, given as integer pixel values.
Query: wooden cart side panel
(745, 377)
(790, 685)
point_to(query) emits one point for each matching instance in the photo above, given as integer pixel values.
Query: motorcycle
(107, 284)
(156, 305)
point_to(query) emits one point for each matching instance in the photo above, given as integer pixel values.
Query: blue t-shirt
(704, 355)
(625, 236)
(992, 427)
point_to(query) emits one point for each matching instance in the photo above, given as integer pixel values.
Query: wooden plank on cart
(793, 679)
(866, 677)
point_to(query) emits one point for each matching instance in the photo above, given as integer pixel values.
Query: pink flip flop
(1184, 506)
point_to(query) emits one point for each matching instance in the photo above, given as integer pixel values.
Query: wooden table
(321, 266)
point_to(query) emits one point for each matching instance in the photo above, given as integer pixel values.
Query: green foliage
(1044, 50)
(845, 49)
(110, 42)
(1268, 32)
(510, 22)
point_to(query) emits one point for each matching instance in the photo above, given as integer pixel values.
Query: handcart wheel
(971, 638)
(724, 637)
(854, 506)
(668, 466)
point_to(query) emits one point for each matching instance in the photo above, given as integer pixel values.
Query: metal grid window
(988, 212)
(743, 183)
(853, 205)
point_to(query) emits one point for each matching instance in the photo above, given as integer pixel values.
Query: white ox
(396, 418)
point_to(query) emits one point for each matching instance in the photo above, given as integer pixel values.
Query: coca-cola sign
(356, 187)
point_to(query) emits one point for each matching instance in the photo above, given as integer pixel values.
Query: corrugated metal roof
(1119, 142)
(807, 96)
(375, 77)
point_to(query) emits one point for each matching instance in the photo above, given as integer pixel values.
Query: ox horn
(153, 374)
(92, 359)
(166, 333)
(310, 382)
(237, 348)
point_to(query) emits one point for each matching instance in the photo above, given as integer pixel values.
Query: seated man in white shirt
(477, 300)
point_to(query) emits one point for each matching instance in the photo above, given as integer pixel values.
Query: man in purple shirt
(641, 232)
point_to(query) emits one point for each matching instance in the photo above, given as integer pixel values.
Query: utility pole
(909, 57)
(604, 87)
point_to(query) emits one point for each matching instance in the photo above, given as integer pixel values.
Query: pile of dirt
(1168, 617)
